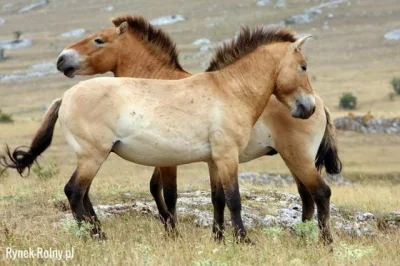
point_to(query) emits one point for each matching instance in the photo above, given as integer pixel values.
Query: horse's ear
(122, 27)
(299, 43)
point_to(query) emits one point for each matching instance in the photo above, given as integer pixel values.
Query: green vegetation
(307, 231)
(348, 101)
(396, 85)
(46, 172)
(5, 118)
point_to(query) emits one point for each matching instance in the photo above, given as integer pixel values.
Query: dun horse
(168, 67)
(299, 142)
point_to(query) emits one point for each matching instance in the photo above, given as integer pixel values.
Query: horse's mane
(157, 39)
(248, 41)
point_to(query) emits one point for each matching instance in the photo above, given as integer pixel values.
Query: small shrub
(396, 85)
(348, 101)
(273, 232)
(46, 172)
(5, 118)
(72, 227)
(307, 230)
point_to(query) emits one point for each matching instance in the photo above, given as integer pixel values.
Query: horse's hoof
(246, 240)
(327, 239)
(219, 237)
(173, 233)
(99, 236)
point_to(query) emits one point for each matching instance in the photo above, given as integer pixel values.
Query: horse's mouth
(69, 72)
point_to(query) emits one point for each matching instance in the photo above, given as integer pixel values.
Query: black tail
(327, 154)
(19, 159)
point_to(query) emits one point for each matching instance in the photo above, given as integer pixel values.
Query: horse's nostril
(60, 60)
(313, 110)
(302, 107)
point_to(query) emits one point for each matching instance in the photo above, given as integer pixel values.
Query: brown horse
(144, 120)
(299, 142)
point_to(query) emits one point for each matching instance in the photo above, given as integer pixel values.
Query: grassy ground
(342, 58)
(30, 218)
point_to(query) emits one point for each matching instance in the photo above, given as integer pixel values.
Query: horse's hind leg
(156, 185)
(155, 189)
(168, 176)
(76, 189)
(309, 180)
(87, 204)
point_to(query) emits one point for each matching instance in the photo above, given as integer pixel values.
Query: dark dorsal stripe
(248, 41)
(156, 38)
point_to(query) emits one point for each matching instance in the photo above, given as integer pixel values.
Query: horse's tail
(19, 159)
(327, 154)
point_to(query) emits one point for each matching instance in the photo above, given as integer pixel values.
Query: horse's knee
(322, 193)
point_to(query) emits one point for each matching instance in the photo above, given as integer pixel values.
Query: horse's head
(293, 88)
(96, 54)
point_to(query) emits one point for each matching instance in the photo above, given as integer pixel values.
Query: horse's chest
(260, 143)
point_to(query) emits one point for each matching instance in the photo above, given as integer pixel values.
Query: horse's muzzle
(68, 62)
(304, 107)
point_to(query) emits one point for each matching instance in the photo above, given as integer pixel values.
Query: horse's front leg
(227, 169)
(218, 201)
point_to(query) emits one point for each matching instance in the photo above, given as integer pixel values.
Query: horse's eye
(98, 41)
(304, 68)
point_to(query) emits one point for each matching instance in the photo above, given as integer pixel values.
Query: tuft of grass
(208, 262)
(3, 174)
(307, 231)
(346, 253)
(274, 232)
(47, 172)
(5, 118)
(78, 230)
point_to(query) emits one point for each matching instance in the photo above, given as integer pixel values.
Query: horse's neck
(251, 81)
(138, 62)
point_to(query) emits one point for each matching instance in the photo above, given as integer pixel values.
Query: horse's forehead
(108, 32)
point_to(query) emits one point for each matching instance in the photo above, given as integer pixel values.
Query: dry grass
(30, 218)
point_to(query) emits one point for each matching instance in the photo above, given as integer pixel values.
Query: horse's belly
(161, 152)
(260, 143)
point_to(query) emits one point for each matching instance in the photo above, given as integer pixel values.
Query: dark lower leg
(76, 194)
(321, 195)
(218, 201)
(168, 175)
(155, 189)
(232, 197)
(87, 204)
(307, 201)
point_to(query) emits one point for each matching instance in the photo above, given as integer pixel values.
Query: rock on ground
(34, 71)
(73, 33)
(368, 124)
(33, 6)
(269, 209)
(393, 35)
(167, 20)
